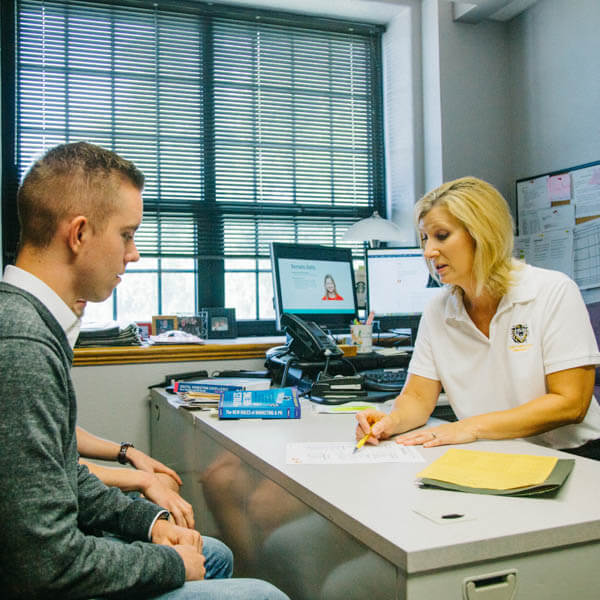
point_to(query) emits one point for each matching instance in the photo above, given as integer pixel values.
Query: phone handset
(309, 341)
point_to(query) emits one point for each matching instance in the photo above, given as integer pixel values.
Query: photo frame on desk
(145, 330)
(194, 324)
(220, 323)
(162, 323)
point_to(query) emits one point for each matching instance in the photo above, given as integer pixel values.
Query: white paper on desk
(342, 453)
(175, 337)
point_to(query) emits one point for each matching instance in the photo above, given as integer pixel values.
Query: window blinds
(250, 126)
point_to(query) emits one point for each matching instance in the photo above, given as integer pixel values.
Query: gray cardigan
(49, 503)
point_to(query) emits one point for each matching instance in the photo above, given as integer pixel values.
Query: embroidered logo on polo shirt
(519, 333)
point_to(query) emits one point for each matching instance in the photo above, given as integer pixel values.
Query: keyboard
(385, 379)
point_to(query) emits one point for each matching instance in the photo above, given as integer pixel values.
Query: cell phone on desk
(309, 341)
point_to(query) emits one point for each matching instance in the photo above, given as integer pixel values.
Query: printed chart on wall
(559, 225)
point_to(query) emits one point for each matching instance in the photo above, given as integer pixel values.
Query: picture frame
(194, 324)
(220, 323)
(162, 323)
(145, 330)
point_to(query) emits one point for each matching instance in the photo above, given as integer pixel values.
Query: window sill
(239, 348)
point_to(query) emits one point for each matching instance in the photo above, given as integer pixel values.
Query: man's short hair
(69, 180)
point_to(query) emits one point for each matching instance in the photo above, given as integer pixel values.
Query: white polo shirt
(541, 326)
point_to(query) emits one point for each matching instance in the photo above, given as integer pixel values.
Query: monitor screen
(314, 282)
(399, 286)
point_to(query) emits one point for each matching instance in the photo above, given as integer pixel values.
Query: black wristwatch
(122, 456)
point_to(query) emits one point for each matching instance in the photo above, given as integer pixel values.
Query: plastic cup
(362, 336)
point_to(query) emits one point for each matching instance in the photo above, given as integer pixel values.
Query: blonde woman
(511, 344)
(331, 292)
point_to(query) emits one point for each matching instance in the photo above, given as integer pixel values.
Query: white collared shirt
(541, 326)
(66, 318)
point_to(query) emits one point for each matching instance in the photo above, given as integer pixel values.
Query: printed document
(586, 191)
(586, 247)
(551, 249)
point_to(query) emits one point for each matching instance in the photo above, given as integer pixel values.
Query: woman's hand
(379, 424)
(459, 432)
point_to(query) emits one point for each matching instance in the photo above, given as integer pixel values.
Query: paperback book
(225, 384)
(274, 403)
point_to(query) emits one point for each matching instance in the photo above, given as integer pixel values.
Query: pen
(362, 441)
(370, 318)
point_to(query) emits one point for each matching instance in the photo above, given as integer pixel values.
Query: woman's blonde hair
(484, 213)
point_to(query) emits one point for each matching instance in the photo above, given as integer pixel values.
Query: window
(250, 127)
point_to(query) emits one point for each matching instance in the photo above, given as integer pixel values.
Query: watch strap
(122, 456)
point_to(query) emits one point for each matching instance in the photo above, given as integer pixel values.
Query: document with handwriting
(342, 453)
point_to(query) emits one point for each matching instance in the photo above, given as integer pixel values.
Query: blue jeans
(217, 585)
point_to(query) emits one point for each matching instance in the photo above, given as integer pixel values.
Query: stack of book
(205, 393)
(239, 398)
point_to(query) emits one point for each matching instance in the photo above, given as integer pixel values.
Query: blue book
(275, 403)
(225, 384)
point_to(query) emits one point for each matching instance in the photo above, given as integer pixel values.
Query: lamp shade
(374, 228)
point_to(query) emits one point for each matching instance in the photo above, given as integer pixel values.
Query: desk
(331, 532)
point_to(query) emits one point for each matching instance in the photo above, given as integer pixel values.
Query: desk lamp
(374, 229)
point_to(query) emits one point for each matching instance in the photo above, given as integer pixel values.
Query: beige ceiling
(383, 11)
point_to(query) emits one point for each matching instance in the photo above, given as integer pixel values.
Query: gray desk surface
(378, 503)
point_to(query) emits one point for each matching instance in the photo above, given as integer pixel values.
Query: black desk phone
(309, 341)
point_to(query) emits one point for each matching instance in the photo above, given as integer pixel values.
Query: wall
(474, 73)
(432, 108)
(403, 114)
(467, 102)
(112, 401)
(555, 75)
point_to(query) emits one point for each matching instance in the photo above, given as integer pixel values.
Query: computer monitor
(399, 286)
(315, 283)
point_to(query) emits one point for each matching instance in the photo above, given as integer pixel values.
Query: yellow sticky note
(351, 408)
(490, 470)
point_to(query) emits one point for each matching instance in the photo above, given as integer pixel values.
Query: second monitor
(399, 286)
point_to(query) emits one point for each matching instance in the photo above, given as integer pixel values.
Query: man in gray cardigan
(79, 207)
